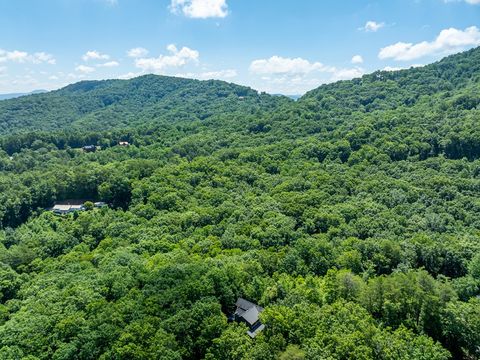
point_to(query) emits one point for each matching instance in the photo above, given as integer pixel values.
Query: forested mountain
(108, 104)
(350, 216)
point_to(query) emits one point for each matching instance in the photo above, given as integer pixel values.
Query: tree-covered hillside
(350, 216)
(110, 104)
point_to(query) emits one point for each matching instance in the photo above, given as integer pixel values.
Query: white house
(62, 209)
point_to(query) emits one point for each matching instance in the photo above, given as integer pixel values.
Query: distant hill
(423, 111)
(16, 95)
(384, 90)
(111, 104)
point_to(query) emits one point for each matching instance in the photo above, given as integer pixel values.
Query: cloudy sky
(278, 46)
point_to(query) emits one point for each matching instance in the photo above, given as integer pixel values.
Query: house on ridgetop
(248, 313)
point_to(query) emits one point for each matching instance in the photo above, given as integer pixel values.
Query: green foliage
(350, 215)
(292, 352)
(461, 327)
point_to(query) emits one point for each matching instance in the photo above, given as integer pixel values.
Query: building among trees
(62, 209)
(248, 313)
(89, 148)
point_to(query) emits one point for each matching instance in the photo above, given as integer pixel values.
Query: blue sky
(278, 46)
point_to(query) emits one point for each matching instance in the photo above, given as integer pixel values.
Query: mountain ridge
(109, 104)
(350, 217)
(87, 104)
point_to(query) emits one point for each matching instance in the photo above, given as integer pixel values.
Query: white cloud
(137, 52)
(176, 58)
(281, 65)
(84, 69)
(397, 68)
(472, 2)
(53, 77)
(296, 75)
(357, 59)
(129, 75)
(347, 74)
(392, 68)
(447, 42)
(14, 56)
(94, 55)
(372, 26)
(222, 74)
(25, 57)
(41, 57)
(209, 75)
(201, 9)
(109, 64)
(75, 76)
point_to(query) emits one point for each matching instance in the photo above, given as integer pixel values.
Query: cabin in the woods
(74, 205)
(248, 313)
(89, 148)
(123, 143)
(62, 209)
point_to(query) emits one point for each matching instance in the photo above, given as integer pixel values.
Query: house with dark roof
(248, 313)
(89, 148)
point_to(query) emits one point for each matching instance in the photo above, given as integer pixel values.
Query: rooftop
(61, 207)
(245, 304)
(250, 314)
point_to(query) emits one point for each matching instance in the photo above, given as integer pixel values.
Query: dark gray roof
(245, 305)
(239, 312)
(251, 315)
(248, 311)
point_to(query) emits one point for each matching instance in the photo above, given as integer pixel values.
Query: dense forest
(351, 216)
